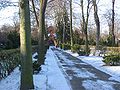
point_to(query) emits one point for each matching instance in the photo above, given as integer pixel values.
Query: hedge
(9, 60)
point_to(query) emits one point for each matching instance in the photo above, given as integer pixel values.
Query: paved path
(83, 76)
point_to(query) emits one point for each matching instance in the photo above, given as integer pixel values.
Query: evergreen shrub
(112, 59)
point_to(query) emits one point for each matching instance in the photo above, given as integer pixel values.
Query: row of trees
(57, 9)
(61, 20)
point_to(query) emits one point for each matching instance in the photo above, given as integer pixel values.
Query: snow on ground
(49, 78)
(97, 62)
(56, 80)
(12, 82)
(93, 85)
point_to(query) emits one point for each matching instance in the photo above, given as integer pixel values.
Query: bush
(113, 49)
(9, 59)
(81, 52)
(13, 40)
(76, 48)
(112, 59)
(36, 67)
(66, 46)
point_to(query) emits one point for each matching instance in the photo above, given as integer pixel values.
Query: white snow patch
(74, 54)
(12, 82)
(67, 61)
(83, 73)
(97, 62)
(56, 80)
(100, 65)
(97, 85)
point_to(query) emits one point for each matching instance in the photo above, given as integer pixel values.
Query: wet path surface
(83, 76)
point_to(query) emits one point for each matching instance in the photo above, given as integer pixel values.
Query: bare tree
(108, 18)
(85, 24)
(97, 22)
(41, 32)
(35, 13)
(113, 14)
(71, 31)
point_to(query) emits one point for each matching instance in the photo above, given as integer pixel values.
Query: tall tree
(35, 13)
(97, 22)
(25, 47)
(71, 31)
(113, 14)
(85, 24)
(41, 32)
(108, 18)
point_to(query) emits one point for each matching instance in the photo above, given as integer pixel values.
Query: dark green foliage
(59, 32)
(112, 59)
(109, 41)
(92, 41)
(66, 46)
(76, 48)
(36, 67)
(34, 42)
(77, 39)
(13, 40)
(103, 42)
(82, 51)
(9, 59)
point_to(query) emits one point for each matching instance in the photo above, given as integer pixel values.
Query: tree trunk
(85, 25)
(41, 32)
(25, 47)
(97, 22)
(113, 14)
(36, 17)
(71, 31)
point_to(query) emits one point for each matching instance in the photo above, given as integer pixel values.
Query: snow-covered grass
(98, 63)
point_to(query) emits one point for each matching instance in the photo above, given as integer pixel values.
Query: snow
(51, 77)
(55, 77)
(93, 85)
(74, 54)
(97, 62)
(83, 73)
(12, 82)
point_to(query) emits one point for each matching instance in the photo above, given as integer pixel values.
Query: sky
(7, 13)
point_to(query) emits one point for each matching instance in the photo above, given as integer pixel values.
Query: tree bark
(113, 14)
(41, 32)
(85, 25)
(36, 17)
(97, 22)
(71, 31)
(25, 47)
